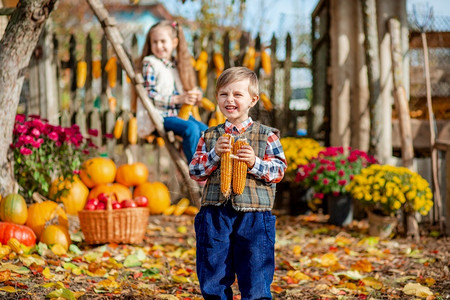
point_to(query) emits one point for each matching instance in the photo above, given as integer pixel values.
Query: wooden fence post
(287, 129)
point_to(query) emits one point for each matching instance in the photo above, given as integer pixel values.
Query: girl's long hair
(184, 66)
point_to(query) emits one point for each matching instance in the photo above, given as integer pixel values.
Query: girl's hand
(223, 145)
(247, 154)
(195, 94)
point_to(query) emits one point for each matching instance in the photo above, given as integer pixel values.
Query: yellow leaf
(5, 275)
(342, 241)
(180, 279)
(8, 289)
(28, 260)
(297, 250)
(417, 289)
(182, 229)
(362, 265)
(430, 281)
(47, 274)
(298, 275)
(328, 260)
(59, 250)
(372, 282)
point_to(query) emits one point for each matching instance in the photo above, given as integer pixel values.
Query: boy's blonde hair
(234, 74)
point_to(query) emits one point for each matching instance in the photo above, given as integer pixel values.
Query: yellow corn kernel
(266, 62)
(185, 111)
(96, 69)
(208, 104)
(118, 128)
(239, 169)
(132, 131)
(81, 73)
(14, 244)
(266, 102)
(226, 169)
(111, 68)
(181, 206)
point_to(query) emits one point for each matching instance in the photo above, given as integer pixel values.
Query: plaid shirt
(157, 75)
(271, 168)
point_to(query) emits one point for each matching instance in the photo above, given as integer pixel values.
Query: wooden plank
(272, 80)
(226, 50)
(447, 194)
(211, 73)
(420, 133)
(288, 128)
(434, 39)
(89, 95)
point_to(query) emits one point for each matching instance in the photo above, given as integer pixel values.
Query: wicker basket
(122, 226)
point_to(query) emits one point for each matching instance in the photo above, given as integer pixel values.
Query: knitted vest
(258, 195)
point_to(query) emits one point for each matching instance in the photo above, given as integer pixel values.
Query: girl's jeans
(230, 242)
(190, 130)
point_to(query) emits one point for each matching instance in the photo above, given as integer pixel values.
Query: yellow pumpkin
(40, 213)
(56, 234)
(13, 208)
(117, 190)
(132, 174)
(157, 194)
(74, 194)
(98, 170)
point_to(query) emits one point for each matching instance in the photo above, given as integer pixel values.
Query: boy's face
(235, 101)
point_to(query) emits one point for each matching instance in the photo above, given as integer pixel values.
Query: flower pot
(298, 203)
(381, 226)
(340, 209)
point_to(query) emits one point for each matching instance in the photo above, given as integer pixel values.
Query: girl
(170, 84)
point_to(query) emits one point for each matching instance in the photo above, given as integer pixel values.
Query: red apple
(116, 205)
(101, 206)
(90, 206)
(102, 197)
(93, 201)
(128, 203)
(141, 201)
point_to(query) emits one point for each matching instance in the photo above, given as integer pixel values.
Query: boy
(236, 235)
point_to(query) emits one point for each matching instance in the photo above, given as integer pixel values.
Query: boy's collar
(238, 129)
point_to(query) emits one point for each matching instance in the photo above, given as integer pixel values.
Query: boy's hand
(247, 155)
(223, 145)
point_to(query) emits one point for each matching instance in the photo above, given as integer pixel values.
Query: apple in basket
(128, 203)
(141, 201)
(101, 206)
(116, 205)
(91, 204)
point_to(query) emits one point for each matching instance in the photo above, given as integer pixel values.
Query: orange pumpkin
(14, 209)
(74, 194)
(157, 194)
(56, 234)
(40, 213)
(132, 174)
(21, 233)
(98, 170)
(117, 190)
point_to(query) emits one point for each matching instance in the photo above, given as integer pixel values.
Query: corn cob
(266, 102)
(81, 73)
(196, 113)
(118, 128)
(249, 58)
(112, 103)
(239, 169)
(184, 111)
(168, 211)
(220, 117)
(212, 121)
(160, 142)
(181, 207)
(208, 104)
(111, 68)
(191, 210)
(132, 131)
(266, 63)
(226, 166)
(14, 244)
(96, 69)
(218, 63)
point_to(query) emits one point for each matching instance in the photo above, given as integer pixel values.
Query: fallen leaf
(362, 265)
(8, 289)
(328, 259)
(417, 289)
(47, 274)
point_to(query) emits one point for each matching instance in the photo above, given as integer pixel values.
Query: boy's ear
(254, 100)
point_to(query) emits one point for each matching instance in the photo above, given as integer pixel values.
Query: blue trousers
(231, 243)
(190, 130)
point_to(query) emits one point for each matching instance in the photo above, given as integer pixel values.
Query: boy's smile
(235, 101)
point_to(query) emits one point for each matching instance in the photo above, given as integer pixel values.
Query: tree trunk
(17, 45)
(373, 69)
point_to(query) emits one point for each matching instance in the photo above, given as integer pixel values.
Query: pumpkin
(97, 170)
(56, 234)
(74, 195)
(22, 233)
(132, 174)
(157, 194)
(117, 190)
(40, 213)
(14, 209)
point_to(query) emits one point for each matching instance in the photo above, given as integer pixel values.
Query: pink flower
(341, 173)
(21, 128)
(316, 177)
(35, 132)
(331, 167)
(108, 135)
(26, 139)
(20, 118)
(319, 195)
(36, 144)
(325, 181)
(25, 151)
(342, 182)
(53, 136)
(76, 172)
(93, 132)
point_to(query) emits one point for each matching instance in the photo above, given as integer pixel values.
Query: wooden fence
(53, 92)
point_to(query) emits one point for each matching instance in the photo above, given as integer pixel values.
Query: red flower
(341, 173)
(25, 151)
(53, 136)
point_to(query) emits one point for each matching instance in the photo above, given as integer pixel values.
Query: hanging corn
(212, 121)
(266, 62)
(208, 104)
(201, 66)
(220, 117)
(96, 69)
(239, 169)
(196, 113)
(218, 63)
(181, 207)
(112, 103)
(184, 112)
(118, 128)
(226, 170)
(132, 131)
(249, 58)
(160, 142)
(266, 102)
(111, 68)
(81, 74)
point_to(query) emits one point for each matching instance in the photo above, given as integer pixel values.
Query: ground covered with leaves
(313, 261)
